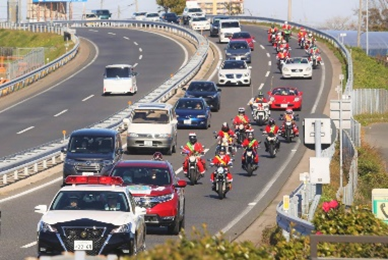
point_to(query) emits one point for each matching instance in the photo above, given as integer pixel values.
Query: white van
(226, 29)
(119, 79)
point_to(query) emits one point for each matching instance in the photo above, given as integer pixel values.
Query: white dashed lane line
(140, 49)
(267, 74)
(29, 245)
(60, 113)
(135, 43)
(261, 46)
(140, 57)
(92, 30)
(125, 37)
(268, 55)
(25, 130)
(111, 33)
(261, 86)
(87, 98)
(134, 65)
(269, 63)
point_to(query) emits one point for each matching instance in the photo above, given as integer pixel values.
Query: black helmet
(222, 149)
(192, 138)
(157, 156)
(260, 95)
(250, 135)
(271, 122)
(272, 26)
(225, 127)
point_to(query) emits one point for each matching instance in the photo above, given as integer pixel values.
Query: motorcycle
(221, 186)
(240, 133)
(288, 129)
(249, 164)
(272, 141)
(227, 142)
(302, 43)
(261, 113)
(280, 64)
(273, 38)
(193, 173)
(287, 35)
(315, 59)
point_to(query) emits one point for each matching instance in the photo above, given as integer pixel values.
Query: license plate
(147, 143)
(83, 245)
(87, 173)
(284, 105)
(187, 122)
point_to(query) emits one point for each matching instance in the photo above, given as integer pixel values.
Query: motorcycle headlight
(45, 227)
(220, 170)
(126, 228)
(201, 116)
(70, 161)
(131, 134)
(165, 198)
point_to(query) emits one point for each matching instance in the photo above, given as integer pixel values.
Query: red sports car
(244, 36)
(285, 97)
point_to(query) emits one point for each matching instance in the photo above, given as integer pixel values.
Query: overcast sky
(305, 11)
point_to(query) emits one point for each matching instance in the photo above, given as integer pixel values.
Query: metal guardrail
(35, 159)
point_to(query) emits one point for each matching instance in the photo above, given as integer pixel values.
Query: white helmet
(285, 22)
(310, 35)
(279, 33)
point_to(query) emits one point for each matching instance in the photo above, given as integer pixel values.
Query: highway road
(249, 196)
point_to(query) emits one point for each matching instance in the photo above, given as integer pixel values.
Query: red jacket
(195, 149)
(254, 143)
(285, 46)
(286, 27)
(283, 56)
(221, 159)
(222, 134)
(241, 120)
(272, 129)
(302, 34)
(274, 30)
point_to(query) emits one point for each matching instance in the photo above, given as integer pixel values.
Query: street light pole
(367, 27)
(137, 6)
(289, 10)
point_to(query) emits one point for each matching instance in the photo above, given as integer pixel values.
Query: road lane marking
(111, 33)
(25, 130)
(261, 46)
(125, 37)
(134, 65)
(261, 86)
(30, 245)
(267, 74)
(60, 113)
(268, 55)
(252, 204)
(140, 57)
(93, 30)
(269, 63)
(89, 97)
(218, 63)
(320, 89)
(140, 49)
(135, 43)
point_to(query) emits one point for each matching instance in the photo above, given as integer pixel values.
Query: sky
(303, 11)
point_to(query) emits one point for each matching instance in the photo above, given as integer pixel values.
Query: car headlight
(70, 161)
(163, 135)
(246, 75)
(189, 96)
(126, 228)
(164, 198)
(296, 99)
(45, 227)
(272, 99)
(215, 27)
(132, 134)
(221, 75)
(308, 69)
(247, 54)
(227, 53)
(107, 162)
(285, 69)
(212, 96)
(201, 116)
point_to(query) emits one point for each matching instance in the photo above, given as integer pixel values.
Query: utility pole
(359, 23)
(118, 12)
(367, 27)
(101, 4)
(289, 10)
(137, 6)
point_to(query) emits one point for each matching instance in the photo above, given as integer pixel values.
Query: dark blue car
(208, 90)
(192, 113)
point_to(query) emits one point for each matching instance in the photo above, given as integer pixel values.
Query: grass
(53, 43)
(367, 119)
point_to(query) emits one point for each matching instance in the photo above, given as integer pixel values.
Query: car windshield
(140, 14)
(241, 35)
(90, 200)
(192, 10)
(102, 12)
(151, 116)
(230, 25)
(152, 15)
(297, 60)
(196, 19)
(91, 144)
(238, 45)
(202, 87)
(234, 65)
(190, 104)
(140, 175)
(171, 15)
(119, 72)
(284, 92)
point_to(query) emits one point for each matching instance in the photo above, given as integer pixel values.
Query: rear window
(230, 24)
(91, 144)
(136, 175)
(117, 72)
(201, 87)
(151, 116)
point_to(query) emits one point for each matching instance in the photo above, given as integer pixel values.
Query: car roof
(152, 106)
(94, 131)
(143, 163)
(118, 65)
(228, 21)
(202, 81)
(94, 187)
(192, 98)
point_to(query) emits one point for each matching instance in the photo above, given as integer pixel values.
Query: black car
(170, 18)
(208, 90)
(215, 24)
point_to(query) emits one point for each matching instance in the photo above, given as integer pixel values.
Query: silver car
(297, 67)
(234, 72)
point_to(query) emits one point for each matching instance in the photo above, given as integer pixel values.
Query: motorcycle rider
(222, 159)
(290, 116)
(283, 55)
(278, 39)
(225, 132)
(273, 30)
(310, 40)
(258, 99)
(286, 28)
(241, 118)
(302, 34)
(284, 44)
(250, 141)
(315, 50)
(195, 148)
(272, 128)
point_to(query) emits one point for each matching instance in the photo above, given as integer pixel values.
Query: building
(227, 7)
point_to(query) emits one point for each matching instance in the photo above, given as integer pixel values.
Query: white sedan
(199, 24)
(234, 72)
(153, 17)
(297, 67)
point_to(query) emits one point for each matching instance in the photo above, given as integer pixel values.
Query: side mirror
(64, 150)
(41, 209)
(120, 151)
(219, 90)
(134, 73)
(181, 183)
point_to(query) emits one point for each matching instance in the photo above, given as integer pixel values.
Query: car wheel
(133, 247)
(130, 150)
(182, 222)
(173, 229)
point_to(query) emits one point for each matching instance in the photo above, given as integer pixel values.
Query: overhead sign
(380, 204)
(57, 1)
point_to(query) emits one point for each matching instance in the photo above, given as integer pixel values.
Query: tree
(175, 6)
(339, 23)
(232, 9)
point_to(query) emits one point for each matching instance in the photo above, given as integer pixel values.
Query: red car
(285, 97)
(244, 36)
(155, 187)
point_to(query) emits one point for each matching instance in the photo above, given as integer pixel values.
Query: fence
(369, 101)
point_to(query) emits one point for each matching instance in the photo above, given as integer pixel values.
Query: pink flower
(318, 233)
(326, 207)
(333, 204)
